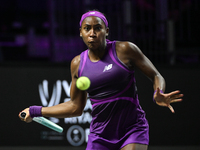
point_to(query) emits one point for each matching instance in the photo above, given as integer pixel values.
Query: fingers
(158, 90)
(176, 100)
(176, 93)
(175, 96)
(171, 108)
(167, 99)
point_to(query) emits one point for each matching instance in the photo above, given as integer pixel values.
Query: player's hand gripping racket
(45, 122)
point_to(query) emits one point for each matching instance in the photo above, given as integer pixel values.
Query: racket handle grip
(23, 114)
(45, 122)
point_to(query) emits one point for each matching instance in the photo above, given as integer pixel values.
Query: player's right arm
(76, 105)
(71, 108)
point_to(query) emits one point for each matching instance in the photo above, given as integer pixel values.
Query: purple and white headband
(96, 14)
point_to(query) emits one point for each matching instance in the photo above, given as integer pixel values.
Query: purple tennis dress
(117, 117)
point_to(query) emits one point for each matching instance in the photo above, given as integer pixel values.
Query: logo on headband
(96, 14)
(91, 13)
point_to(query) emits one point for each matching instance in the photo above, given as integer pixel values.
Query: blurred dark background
(39, 38)
(48, 30)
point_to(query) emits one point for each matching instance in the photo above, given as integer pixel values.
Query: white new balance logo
(107, 67)
(91, 13)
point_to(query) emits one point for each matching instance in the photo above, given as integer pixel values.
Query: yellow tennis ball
(83, 83)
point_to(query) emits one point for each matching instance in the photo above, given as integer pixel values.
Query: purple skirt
(114, 127)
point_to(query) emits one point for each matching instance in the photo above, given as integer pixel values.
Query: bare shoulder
(76, 60)
(75, 65)
(126, 46)
(128, 53)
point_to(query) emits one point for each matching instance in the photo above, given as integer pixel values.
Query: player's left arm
(132, 56)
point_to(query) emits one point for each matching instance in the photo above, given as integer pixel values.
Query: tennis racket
(45, 122)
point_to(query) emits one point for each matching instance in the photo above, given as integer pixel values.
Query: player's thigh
(135, 146)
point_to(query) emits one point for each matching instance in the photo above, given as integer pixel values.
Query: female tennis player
(118, 121)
